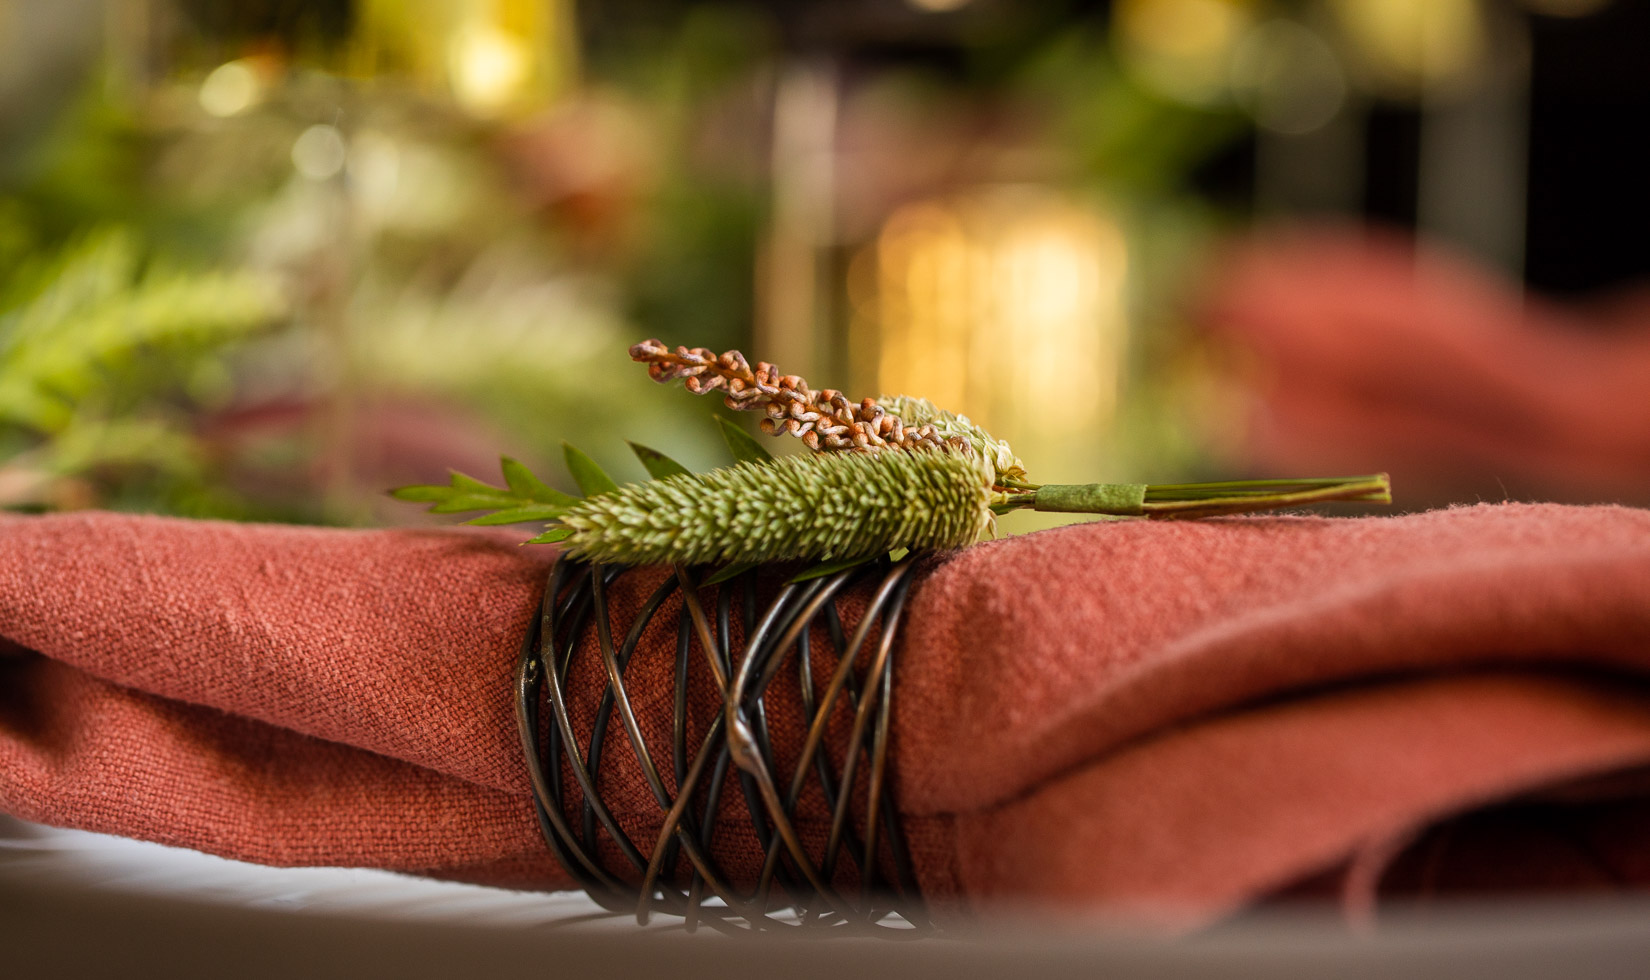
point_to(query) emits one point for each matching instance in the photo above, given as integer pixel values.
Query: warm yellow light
(1005, 305)
(1178, 27)
(230, 89)
(1411, 44)
(924, 267)
(1180, 47)
(489, 68)
(939, 6)
(1056, 280)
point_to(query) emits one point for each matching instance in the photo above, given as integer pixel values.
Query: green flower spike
(818, 506)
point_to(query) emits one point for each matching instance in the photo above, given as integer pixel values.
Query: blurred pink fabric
(1161, 723)
(1359, 351)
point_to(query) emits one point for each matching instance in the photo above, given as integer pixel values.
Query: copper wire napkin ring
(574, 597)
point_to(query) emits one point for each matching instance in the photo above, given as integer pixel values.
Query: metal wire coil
(575, 597)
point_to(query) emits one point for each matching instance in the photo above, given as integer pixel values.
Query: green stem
(1184, 500)
(1119, 499)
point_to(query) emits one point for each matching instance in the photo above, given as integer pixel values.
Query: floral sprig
(888, 473)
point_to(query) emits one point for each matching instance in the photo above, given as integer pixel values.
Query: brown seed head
(824, 420)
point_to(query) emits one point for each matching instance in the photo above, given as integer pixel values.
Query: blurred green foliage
(104, 359)
(190, 323)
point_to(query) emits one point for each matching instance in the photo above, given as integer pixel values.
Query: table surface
(75, 903)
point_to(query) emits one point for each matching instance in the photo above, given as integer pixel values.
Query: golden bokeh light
(1406, 46)
(495, 58)
(488, 68)
(1006, 305)
(231, 88)
(1182, 48)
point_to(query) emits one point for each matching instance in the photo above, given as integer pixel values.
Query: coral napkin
(1159, 722)
(1363, 351)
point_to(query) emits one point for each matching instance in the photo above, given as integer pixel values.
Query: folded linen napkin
(1361, 349)
(1159, 722)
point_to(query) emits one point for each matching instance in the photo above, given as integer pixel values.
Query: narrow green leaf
(460, 502)
(526, 499)
(742, 444)
(521, 480)
(551, 536)
(829, 568)
(519, 515)
(726, 572)
(469, 483)
(659, 466)
(421, 494)
(592, 479)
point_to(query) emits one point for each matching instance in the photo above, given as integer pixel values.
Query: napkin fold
(1159, 722)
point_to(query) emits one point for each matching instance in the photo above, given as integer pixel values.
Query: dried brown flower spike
(826, 419)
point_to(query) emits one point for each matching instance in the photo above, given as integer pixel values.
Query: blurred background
(263, 260)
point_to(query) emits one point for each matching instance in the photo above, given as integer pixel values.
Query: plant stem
(1184, 500)
(1236, 498)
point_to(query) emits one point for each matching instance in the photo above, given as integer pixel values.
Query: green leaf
(829, 568)
(659, 466)
(726, 572)
(742, 444)
(527, 486)
(519, 515)
(461, 502)
(461, 481)
(526, 499)
(421, 494)
(592, 479)
(552, 536)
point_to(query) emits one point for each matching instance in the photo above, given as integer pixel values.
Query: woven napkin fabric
(1158, 722)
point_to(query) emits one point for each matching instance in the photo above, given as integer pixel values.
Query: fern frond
(98, 310)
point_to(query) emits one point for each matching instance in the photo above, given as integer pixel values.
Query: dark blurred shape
(935, 33)
(1514, 135)
(1589, 198)
(295, 23)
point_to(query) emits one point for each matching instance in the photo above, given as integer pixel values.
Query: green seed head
(817, 506)
(914, 412)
